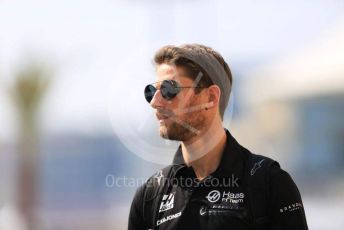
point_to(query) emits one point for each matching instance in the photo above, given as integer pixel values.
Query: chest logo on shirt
(167, 202)
(229, 197)
(213, 196)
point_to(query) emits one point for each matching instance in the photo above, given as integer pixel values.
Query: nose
(157, 101)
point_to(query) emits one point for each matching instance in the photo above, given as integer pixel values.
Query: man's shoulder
(154, 183)
(159, 177)
(270, 167)
(257, 161)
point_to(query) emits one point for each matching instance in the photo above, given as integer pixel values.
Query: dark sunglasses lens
(169, 89)
(149, 92)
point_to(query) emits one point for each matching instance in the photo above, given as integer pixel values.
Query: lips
(163, 115)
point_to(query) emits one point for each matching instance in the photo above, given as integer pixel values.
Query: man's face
(181, 118)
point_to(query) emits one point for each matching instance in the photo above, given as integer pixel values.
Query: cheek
(186, 108)
(181, 103)
(186, 100)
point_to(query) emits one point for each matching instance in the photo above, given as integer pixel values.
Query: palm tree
(29, 87)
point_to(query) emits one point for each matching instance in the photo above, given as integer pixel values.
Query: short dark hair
(174, 55)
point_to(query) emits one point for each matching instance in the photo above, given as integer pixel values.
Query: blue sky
(102, 50)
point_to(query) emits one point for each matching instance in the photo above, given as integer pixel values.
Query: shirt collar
(232, 160)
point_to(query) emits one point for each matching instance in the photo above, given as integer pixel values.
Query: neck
(204, 153)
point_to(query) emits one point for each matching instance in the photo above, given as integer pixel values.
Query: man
(214, 182)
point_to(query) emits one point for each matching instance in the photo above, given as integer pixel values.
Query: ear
(214, 94)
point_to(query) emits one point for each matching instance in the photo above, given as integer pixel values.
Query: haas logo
(228, 197)
(214, 196)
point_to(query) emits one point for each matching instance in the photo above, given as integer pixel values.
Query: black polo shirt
(175, 199)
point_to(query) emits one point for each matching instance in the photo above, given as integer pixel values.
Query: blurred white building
(297, 107)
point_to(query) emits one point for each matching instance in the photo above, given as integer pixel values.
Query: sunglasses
(169, 89)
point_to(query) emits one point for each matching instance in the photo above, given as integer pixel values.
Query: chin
(163, 131)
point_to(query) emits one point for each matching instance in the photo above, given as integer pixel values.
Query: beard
(183, 128)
